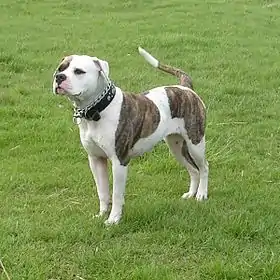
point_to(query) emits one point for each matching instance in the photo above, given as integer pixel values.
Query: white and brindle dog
(118, 126)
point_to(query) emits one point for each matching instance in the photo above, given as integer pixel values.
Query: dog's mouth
(59, 90)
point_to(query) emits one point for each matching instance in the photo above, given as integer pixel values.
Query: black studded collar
(92, 111)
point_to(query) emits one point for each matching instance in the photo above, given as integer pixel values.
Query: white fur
(148, 57)
(98, 137)
(99, 169)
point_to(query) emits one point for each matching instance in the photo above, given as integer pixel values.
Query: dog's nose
(60, 78)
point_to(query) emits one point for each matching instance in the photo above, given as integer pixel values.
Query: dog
(117, 126)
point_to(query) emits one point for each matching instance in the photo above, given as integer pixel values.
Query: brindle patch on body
(139, 118)
(185, 104)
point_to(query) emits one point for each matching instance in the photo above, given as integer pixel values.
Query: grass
(231, 50)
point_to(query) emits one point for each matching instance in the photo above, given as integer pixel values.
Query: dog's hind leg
(197, 153)
(179, 149)
(99, 170)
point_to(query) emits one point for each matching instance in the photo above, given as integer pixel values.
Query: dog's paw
(101, 214)
(188, 195)
(200, 196)
(112, 220)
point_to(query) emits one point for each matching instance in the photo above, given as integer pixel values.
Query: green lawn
(47, 229)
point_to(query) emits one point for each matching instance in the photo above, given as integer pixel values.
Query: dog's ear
(102, 65)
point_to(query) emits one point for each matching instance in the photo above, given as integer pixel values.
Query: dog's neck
(90, 108)
(86, 99)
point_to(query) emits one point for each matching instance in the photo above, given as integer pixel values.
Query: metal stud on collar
(77, 116)
(77, 120)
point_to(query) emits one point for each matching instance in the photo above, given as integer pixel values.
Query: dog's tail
(185, 79)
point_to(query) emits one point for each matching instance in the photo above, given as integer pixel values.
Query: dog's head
(80, 76)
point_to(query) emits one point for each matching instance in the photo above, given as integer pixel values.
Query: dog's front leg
(99, 170)
(119, 181)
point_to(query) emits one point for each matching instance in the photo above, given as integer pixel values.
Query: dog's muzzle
(59, 78)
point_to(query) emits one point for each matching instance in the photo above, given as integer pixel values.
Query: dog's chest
(94, 140)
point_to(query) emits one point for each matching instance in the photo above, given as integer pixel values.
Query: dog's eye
(78, 71)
